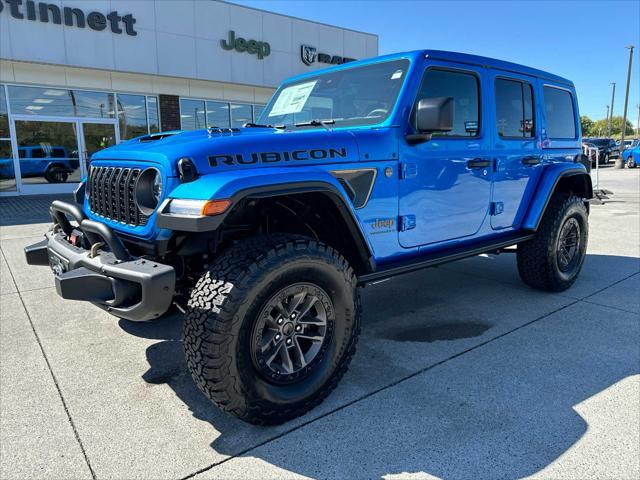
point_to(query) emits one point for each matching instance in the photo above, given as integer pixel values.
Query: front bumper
(128, 287)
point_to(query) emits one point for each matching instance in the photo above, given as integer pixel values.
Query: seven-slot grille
(111, 194)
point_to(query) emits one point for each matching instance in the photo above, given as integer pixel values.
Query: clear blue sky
(568, 38)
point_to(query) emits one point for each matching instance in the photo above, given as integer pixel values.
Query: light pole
(610, 117)
(619, 162)
(607, 116)
(638, 124)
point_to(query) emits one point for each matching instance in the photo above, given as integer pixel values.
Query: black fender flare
(547, 189)
(205, 224)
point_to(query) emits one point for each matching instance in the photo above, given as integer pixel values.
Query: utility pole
(619, 162)
(607, 116)
(638, 124)
(610, 117)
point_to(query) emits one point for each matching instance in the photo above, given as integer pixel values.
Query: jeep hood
(243, 148)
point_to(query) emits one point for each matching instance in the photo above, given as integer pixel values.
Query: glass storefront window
(240, 114)
(218, 114)
(132, 116)
(48, 151)
(58, 102)
(154, 116)
(192, 114)
(7, 172)
(4, 116)
(257, 110)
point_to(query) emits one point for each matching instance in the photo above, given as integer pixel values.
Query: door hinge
(496, 208)
(407, 222)
(408, 170)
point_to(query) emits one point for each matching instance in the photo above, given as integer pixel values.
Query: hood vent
(156, 136)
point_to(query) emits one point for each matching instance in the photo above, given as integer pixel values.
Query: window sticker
(292, 99)
(397, 74)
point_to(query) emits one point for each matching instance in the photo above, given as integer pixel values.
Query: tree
(600, 127)
(586, 125)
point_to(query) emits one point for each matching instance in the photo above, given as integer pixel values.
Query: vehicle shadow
(505, 410)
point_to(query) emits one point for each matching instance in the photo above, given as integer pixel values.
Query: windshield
(351, 97)
(601, 142)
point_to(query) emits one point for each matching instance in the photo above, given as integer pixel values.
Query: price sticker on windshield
(292, 99)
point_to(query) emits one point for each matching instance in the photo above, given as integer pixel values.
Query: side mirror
(432, 115)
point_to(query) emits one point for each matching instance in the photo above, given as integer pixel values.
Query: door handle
(478, 163)
(531, 160)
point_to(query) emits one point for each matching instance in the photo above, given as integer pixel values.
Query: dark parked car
(607, 148)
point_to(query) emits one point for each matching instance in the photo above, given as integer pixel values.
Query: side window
(558, 109)
(514, 109)
(463, 88)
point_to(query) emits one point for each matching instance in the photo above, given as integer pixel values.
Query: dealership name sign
(70, 16)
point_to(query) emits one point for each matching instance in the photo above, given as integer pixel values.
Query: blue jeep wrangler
(262, 235)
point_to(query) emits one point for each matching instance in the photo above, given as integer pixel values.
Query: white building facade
(78, 76)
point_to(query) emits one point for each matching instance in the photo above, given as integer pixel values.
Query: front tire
(272, 326)
(554, 258)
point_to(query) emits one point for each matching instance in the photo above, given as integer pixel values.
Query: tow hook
(94, 249)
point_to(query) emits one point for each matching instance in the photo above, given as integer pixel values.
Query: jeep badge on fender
(263, 235)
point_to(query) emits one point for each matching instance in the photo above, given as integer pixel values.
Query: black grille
(111, 194)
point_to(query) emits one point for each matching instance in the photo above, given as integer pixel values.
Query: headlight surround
(148, 190)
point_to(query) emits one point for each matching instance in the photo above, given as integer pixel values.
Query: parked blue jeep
(53, 163)
(262, 235)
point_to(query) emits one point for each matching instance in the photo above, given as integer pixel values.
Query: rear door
(516, 143)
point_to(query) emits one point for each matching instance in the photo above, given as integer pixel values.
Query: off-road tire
(227, 301)
(631, 162)
(537, 259)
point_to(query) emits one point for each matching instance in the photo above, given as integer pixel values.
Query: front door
(445, 184)
(517, 149)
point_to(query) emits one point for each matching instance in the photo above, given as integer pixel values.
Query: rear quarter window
(559, 112)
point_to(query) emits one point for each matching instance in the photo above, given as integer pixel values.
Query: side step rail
(439, 258)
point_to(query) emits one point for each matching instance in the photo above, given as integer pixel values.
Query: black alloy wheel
(290, 335)
(568, 245)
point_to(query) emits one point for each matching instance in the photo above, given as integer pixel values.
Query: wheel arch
(358, 252)
(356, 247)
(558, 180)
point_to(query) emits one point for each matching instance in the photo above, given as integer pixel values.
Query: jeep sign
(253, 47)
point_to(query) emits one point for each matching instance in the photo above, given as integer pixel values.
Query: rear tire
(258, 290)
(631, 163)
(554, 258)
(56, 174)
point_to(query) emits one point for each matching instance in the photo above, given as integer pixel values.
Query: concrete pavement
(461, 372)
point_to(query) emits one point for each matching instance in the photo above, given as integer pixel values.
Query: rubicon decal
(275, 157)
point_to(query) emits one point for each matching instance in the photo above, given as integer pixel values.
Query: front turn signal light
(196, 208)
(215, 207)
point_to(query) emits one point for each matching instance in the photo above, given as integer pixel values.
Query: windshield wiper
(316, 123)
(257, 125)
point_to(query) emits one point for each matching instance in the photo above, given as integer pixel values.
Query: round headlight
(148, 190)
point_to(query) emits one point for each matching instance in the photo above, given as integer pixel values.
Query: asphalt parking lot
(461, 372)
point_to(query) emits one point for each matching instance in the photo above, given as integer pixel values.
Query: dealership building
(78, 76)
